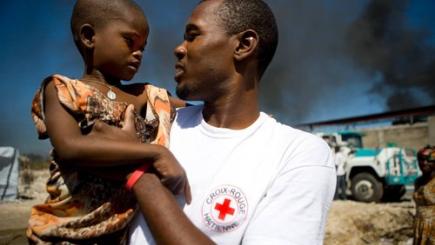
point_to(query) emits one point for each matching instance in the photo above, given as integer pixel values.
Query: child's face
(119, 45)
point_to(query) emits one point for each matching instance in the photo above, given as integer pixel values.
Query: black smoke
(328, 46)
(380, 41)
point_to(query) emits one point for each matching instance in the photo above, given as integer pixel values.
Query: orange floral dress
(83, 208)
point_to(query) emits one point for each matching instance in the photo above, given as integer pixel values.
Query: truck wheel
(366, 188)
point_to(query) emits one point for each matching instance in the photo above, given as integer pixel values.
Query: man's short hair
(97, 13)
(240, 15)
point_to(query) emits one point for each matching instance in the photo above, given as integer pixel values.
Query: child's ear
(247, 44)
(87, 34)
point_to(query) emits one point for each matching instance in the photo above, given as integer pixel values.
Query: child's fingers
(128, 124)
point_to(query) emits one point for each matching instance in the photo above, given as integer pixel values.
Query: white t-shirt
(266, 184)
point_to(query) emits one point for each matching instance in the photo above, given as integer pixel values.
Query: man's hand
(127, 133)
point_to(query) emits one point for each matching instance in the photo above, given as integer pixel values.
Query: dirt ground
(352, 222)
(349, 222)
(14, 214)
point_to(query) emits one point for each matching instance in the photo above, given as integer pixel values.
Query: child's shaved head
(98, 13)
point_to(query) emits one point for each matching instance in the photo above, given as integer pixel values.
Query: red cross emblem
(224, 209)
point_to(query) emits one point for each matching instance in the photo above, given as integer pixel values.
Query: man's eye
(188, 36)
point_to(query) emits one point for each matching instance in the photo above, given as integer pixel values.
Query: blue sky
(312, 77)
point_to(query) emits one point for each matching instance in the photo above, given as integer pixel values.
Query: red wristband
(135, 176)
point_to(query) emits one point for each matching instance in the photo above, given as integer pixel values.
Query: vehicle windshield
(353, 140)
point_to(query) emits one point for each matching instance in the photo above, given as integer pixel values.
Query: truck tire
(366, 188)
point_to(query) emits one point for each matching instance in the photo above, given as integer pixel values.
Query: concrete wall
(413, 136)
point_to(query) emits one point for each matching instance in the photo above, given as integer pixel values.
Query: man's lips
(179, 70)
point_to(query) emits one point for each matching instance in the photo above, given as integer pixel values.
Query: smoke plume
(380, 42)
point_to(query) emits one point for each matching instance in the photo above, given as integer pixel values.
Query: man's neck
(235, 111)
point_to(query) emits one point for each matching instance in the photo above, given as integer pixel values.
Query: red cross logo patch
(225, 208)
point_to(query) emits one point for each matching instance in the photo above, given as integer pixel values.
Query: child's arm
(165, 165)
(72, 147)
(101, 148)
(177, 103)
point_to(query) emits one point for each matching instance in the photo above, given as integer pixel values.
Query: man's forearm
(166, 220)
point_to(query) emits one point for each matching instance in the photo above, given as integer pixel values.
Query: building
(411, 128)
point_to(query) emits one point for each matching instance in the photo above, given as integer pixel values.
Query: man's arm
(166, 220)
(177, 103)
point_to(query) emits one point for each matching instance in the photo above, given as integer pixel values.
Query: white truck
(374, 174)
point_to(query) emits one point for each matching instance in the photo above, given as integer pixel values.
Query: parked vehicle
(373, 174)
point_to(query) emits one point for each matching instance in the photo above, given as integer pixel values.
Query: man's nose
(180, 51)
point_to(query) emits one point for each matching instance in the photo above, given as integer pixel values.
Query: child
(84, 206)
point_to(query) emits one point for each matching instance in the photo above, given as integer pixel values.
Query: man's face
(205, 57)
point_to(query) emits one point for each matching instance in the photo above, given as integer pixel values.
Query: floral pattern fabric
(424, 197)
(424, 228)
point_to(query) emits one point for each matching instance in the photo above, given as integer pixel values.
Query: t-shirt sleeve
(295, 207)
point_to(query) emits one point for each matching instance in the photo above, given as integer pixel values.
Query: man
(340, 165)
(253, 180)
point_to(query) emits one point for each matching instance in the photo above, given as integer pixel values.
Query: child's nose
(138, 54)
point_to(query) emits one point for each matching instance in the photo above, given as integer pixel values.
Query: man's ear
(247, 45)
(87, 35)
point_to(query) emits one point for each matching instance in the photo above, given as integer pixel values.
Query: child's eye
(129, 41)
